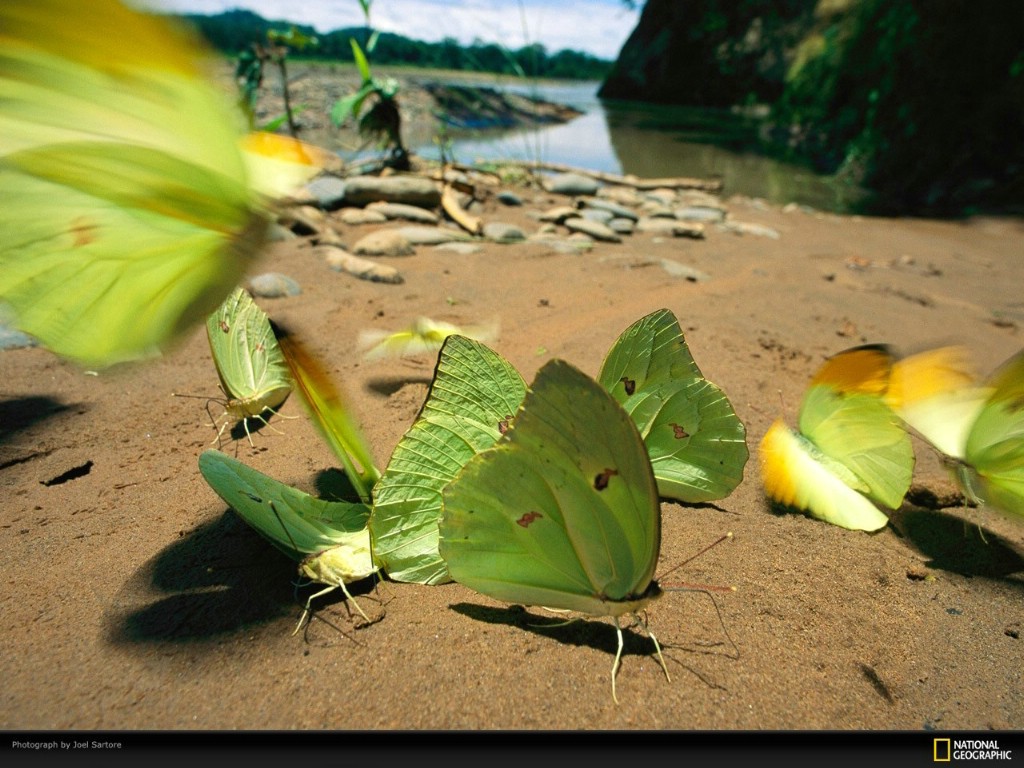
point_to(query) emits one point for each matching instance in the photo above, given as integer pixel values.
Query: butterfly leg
(353, 600)
(618, 658)
(309, 606)
(657, 648)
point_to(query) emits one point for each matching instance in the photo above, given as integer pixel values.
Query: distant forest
(234, 31)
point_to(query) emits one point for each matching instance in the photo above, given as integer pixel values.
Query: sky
(598, 27)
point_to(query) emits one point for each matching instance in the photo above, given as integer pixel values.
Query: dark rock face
(713, 53)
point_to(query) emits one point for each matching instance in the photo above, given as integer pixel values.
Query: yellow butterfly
(423, 336)
(133, 202)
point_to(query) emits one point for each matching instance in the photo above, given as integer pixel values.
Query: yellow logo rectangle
(941, 750)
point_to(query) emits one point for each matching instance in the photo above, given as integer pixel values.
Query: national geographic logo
(957, 750)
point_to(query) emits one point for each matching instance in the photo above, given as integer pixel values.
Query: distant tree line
(234, 31)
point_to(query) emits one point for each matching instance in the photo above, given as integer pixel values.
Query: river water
(651, 141)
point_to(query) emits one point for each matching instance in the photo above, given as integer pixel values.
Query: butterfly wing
(423, 336)
(796, 474)
(697, 444)
(563, 511)
(297, 523)
(938, 394)
(851, 448)
(473, 396)
(252, 369)
(127, 213)
(994, 450)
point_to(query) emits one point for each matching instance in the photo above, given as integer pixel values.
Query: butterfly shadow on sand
(219, 579)
(582, 632)
(957, 544)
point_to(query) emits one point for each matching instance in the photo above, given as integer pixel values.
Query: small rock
(384, 242)
(662, 196)
(341, 260)
(509, 198)
(700, 213)
(594, 214)
(404, 211)
(412, 190)
(559, 214)
(463, 249)
(675, 269)
(356, 216)
(433, 235)
(12, 338)
(500, 232)
(572, 184)
(274, 285)
(327, 191)
(745, 228)
(609, 206)
(622, 226)
(594, 229)
(672, 227)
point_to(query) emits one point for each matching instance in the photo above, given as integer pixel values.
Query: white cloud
(599, 27)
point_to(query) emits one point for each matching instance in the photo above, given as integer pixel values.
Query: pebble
(274, 285)
(327, 191)
(12, 338)
(463, 249)
(341, 260)
(500, 232)
(404, 211)
(357, 216)
(609, 206)
(745, 228)
(412, 190)
(594, 229)
(383, 242)
(572, 184)
(700, 213)
(418, 235)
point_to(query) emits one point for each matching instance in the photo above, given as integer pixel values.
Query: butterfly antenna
(715, 543)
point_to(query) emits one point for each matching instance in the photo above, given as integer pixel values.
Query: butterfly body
(562, 512)
(252, 369)
(328, 539)
(850, 451)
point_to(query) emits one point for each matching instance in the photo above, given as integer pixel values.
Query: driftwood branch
(458, 214)
(672, 182)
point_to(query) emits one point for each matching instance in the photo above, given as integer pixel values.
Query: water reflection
(653, 141)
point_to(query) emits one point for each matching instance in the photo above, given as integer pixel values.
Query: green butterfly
(851, 450)
(978, 426)
(133, 205)
(472, 397)
(696, 442)
(253, 373)
(329, 539)
(563, 510)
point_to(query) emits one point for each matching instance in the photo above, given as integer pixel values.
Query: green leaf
(351, 105)
(361, 63)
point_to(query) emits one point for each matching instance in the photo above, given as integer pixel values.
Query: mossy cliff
(922, 101)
